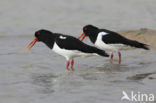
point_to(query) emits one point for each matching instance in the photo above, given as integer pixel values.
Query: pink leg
(67, 65)
(119, 54)
(111, 57)
(72, 64)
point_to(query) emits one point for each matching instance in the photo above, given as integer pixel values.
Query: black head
(90, 30)
(43, 35)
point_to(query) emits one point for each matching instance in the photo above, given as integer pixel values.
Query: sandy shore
(146, 36)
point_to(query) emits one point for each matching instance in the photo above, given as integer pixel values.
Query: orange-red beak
(32, 43)
(83, 35)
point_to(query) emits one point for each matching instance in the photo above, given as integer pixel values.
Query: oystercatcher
(109, 40)
(67, 46)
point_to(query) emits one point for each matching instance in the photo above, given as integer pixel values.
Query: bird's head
(88, 30)
(40, 35)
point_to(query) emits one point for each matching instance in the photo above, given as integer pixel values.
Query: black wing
(115, 38)
(71, 43)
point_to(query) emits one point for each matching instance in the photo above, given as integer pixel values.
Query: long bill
(32, 43)
(83, 35)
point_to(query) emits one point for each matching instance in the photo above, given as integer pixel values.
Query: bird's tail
(93, 50)
(137, 44)
(100, 52)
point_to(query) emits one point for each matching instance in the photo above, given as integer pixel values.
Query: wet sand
(144, 35)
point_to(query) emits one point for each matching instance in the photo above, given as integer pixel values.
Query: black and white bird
(109, 40)
(67, 46)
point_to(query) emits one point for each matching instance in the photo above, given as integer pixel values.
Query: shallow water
(39, 75)
(23, 17)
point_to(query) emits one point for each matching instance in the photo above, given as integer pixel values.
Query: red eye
(85, 28)
(38, 33)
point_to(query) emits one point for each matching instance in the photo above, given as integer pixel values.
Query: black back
(71, 43)
(115, 38)
(111, 37)
(66, 42)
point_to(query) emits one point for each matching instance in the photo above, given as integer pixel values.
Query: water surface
(39, 75)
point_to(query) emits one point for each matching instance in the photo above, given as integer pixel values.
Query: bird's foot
(67, 66)
(72, 65)
(111, 61)
(72, 69)
(119, 54)
(111, 58)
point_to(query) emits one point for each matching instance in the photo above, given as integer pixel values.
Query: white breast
(69, 54)
(102, 45)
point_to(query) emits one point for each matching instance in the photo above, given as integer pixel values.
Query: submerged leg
(72, 65)
(67, 66)
(111, 58)
(119, 54)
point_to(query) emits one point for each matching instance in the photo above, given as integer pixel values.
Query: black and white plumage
(109, 40)
(66, 45)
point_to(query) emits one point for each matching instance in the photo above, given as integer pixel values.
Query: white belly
(109, 47)
(69, 54)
